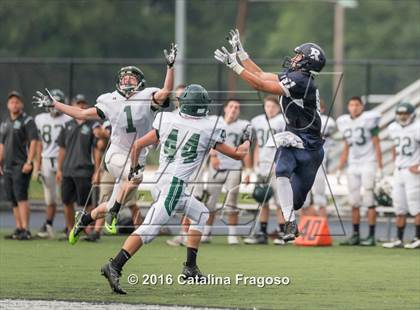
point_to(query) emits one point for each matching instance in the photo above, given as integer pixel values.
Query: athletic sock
(49, 222)
(119, 261)
(281, 227)
(232, 230)
(286, 198)
(418, 231)
(86, 219)
(207, 230)
(191, 257)
(263, 227)
(356, 229)
(400, 233)
(116, 207)
(371, 230)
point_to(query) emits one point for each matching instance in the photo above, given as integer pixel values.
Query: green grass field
(320, 278)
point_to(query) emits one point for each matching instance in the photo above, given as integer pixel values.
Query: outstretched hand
(43, 101)
(235, 41)
(171, 56)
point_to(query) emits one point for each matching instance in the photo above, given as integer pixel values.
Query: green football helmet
(127, 90)
(194, 101)
(405, 113)
(58, 95)
(262, 192)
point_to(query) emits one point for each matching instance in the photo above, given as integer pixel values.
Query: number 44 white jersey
(358, 133)
(185, 141)
(407, 143)
(130, 118)
(49, 128)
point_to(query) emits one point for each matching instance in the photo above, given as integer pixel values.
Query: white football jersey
(185, 141)
(265, 129)
(130, 118)
(49, 128)
(234, 132)
(358, 134)
(407, 143)
(328, 128)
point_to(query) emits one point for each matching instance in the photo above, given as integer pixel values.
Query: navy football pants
(300, 166)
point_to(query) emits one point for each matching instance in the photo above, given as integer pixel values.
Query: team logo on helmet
(312, 58)
(128, 89)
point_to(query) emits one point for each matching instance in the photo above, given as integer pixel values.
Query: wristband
(242, 55)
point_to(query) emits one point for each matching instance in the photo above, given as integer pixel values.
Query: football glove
(229, 59)
(171, 56)
(43, 101)
(136, 173)
(235, 42)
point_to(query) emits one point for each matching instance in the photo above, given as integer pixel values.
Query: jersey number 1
(188, 151)
(130, 126)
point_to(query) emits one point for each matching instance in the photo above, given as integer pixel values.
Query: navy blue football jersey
(300, 105)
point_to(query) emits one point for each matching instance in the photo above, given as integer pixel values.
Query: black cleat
(113, 276)
(257, 239)
(192, 272)
(24, 235)
(14, 235)
(291, 231)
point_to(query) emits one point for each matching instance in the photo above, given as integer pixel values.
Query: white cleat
(46, 232)
(205, 239)
(415, 244)
(393, 244)
(279, 241)
(176, 241)
(232, 240)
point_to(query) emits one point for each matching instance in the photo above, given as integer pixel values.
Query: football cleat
(415, 244)
(290, 231)
(279, 238)
(77, 228)
(393, 244)
(46, 232)
(256, 239)
(353, 240)
(191, 272)
(24, 235)
(232, 240)
(113, 276)
(111, 222)
(13, 235)
(176, 241)
(368, 241)
(94, 236)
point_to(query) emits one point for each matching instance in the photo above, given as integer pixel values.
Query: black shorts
(76, 190)
(16, 184)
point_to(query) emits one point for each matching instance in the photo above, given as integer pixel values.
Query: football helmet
(383, 192)
(262, 192)
(313, 58)
(405, 113)
(128, 90)
(58, 95)
(194, 101)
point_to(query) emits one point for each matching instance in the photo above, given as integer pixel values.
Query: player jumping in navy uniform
(300, 150)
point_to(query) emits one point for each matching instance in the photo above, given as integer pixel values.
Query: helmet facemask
(127, 89)
(404, 119)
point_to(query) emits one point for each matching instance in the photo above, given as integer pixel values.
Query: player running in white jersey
(49, 125)
(362, 150)
(226, 172)
(405, 132)
(265, 126)
(185, 138)
(319, 197)
(130, 110)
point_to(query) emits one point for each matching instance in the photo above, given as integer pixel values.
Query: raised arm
(161, 96)
(48, 101)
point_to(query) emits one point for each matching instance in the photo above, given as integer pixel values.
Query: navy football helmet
(313, 58)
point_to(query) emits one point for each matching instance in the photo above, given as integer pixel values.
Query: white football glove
(136, 173)
(43, 101)
(229, 59)
(236, 44)
(171, 56)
